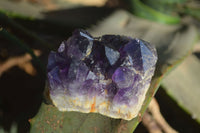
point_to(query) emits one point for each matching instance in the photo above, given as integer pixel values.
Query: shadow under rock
(197, 54)
(21, 96)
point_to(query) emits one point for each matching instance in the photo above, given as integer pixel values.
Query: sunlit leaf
(183, 86)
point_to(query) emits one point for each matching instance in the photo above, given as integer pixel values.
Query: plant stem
(19, 43)
(19, 27)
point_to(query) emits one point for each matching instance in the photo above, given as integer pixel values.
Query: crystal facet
(109, 74)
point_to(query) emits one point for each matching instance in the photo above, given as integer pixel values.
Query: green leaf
(31, 9)
(183, 86)
(144, 11)
(56, 12)
(161, 6)
(23, 8)
(167, 1)
(193, 11)
(172, 42)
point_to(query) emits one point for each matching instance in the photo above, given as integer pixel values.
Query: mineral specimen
(109, 74)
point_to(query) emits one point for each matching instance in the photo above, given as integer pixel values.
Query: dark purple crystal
(109, 74)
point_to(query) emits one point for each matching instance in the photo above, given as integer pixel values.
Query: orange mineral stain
(93, 105)
(106, 92)
(119, 111)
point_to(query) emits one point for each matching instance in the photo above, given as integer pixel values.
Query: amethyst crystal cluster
(109, 74)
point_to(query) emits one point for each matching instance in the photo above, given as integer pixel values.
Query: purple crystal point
(109, 74)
